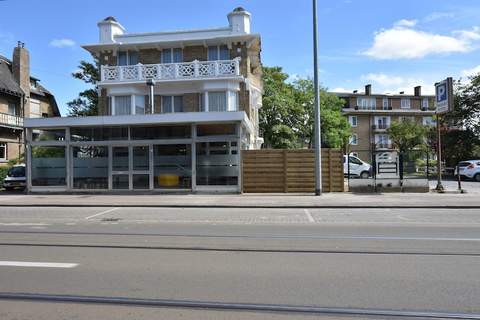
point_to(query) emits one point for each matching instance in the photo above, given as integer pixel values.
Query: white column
(194, 157)
(206, 101)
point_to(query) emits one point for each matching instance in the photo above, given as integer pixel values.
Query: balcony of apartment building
(177, 71)
(380, 127)
(8, 120)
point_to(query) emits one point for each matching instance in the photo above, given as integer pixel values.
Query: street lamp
(318, 136)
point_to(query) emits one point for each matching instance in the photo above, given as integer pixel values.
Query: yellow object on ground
(168, 180)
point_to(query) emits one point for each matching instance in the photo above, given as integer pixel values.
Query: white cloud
(394, 83)
(340, 90)
(406, 23)
(471, 72)
(62, 43)
(402, 41)
(438, 15)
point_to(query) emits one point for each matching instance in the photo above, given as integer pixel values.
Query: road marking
(100, 213)
(37, 264)
(309, 215)
(23, 224)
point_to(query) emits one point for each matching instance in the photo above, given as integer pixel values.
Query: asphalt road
(137, 263)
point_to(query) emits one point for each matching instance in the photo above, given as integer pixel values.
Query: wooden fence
(279, 171)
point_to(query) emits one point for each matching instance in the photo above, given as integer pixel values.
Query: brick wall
(191, 102)
(195, 53)
(149, 56)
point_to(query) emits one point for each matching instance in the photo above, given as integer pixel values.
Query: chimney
(239, 20)
(402, 92)
(21, 67)
(418, 91)
(109, 28)
(368, 90)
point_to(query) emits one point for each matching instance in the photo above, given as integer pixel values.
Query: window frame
(425, 103)
(3, 145)
(171, 52)
(353, 139)
(172, 100)
(385, 106)
(218, 52)
(350, 119)
(403, 106)
(127, 57)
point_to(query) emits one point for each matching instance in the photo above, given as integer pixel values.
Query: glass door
(141, 167)
(120, 168)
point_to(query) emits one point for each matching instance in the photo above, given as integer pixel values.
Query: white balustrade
(172, 71)
(10, 120)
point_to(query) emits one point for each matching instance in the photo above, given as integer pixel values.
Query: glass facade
(172, 166)
(48, 166)
(168, 157)
(90, 167)
(217, 164)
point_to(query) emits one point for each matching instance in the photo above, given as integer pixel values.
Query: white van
(358, 168)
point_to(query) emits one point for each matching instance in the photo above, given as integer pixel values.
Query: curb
(49, 205)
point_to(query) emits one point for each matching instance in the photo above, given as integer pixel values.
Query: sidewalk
(327, 200)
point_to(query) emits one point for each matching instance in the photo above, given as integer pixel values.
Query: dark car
(15, 178)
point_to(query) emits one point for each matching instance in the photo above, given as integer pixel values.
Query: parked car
(473, 170)
(358, 167)
(15, 178)
(462, 165)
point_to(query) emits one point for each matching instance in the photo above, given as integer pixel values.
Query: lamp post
(317, 136)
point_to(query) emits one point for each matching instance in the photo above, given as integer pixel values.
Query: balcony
(8, 120)
(383, 146)
(380, 127)
(195, 70)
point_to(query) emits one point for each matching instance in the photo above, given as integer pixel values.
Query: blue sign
(444, 96)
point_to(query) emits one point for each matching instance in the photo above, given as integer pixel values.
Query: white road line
(309, 215)
(100, 213)
(37, 264)
(23, 224)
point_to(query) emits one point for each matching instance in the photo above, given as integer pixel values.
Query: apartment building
(175, 110)
(21, 96)
(370, 115)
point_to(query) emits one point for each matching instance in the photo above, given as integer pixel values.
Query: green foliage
(48, 152)
(461, 130)
(287, 116)
(407, 135)
(3, 172)
(87, 102)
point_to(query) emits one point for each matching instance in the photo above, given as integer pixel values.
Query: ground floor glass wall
(179, 160)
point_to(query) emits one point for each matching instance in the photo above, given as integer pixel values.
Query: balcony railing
(10, 120)
(384, 146)
(172, 71)
(380, 126)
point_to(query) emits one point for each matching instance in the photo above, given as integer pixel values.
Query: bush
(3, 172)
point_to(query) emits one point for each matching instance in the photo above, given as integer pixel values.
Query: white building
(175, 110)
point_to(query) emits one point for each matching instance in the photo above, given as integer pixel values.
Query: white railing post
(176, 71)
(102, 73)
(237, 66)
(159, 72)
(139, 72)
(196, 67)
(120, 73)
(217, 69)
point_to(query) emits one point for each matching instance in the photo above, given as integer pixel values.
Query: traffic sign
(444, 96)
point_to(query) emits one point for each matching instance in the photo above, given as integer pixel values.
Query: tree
(334, 126)
(407, 135)
(279, 110)
(461, 128)
(86, 104)
(287, 116)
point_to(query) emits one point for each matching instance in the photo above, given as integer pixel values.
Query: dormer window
(218, 53)
(127, 58)
(33, 83)
(174, 55)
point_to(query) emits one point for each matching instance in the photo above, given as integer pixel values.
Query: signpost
(443, 104)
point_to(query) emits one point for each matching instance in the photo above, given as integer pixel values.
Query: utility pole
(318, 135)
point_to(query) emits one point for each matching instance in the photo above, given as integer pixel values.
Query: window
(385, 104)
(172, 104)
(12, 108)
(50, 135)
(172, 55)
(353, 121)
(122, 105)
(90, 167)
(218, 53)
(405, 103)
(3, 151)
(382, 122)
(139, 104)
(425, 103)
(354, 139)
(48, 166)
(217, 101)
(35, 109)
(127, 58)
(367, 103)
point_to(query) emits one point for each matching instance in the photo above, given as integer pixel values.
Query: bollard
(459, 179)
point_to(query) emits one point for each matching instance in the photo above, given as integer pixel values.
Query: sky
(393, 45)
